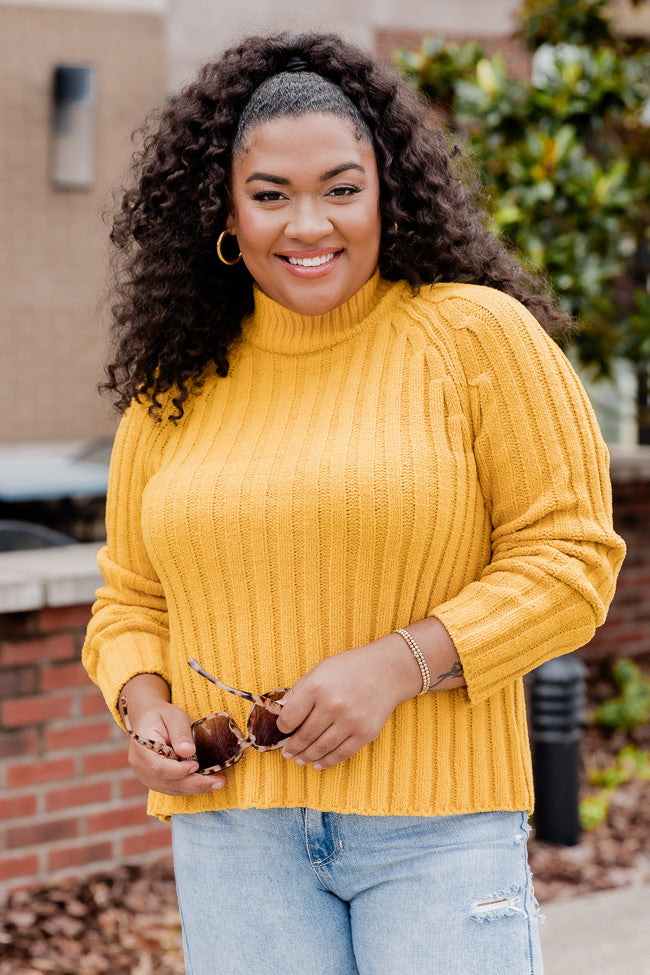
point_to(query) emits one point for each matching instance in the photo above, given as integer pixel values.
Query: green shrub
(631, 709)
(565, 159)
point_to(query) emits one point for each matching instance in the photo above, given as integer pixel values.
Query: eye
(344, 191)
(268, 196)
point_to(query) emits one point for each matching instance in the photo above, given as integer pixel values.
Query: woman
(355, 469)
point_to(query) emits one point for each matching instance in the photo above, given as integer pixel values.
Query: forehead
(315, 139)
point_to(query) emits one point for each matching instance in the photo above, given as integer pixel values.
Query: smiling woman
(352, 467)
(305, 210)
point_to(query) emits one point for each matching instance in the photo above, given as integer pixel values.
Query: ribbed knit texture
(400, 457)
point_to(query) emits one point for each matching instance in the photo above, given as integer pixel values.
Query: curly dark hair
(178, 308)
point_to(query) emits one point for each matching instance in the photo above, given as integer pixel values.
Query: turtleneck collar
(274, 328)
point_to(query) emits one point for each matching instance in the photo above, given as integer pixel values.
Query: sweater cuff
(120, 660)
(496, 648)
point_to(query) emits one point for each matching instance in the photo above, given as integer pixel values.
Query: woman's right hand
(153, 717)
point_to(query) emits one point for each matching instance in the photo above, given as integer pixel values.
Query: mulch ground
(126, 922)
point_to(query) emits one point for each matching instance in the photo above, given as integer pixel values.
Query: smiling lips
(310, 265)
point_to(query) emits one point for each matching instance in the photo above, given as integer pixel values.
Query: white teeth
(311, 261)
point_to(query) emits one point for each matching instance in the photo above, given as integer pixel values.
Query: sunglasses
(219, 742)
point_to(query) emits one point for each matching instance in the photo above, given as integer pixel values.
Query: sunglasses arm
(259, 699)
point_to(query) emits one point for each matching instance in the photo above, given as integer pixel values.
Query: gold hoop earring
(224, 260)
(392, 246)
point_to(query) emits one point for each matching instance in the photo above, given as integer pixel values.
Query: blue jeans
(301, 892)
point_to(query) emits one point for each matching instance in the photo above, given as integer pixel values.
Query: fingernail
(300, 761)
(218, 785)
(317, 766)
(286, 754)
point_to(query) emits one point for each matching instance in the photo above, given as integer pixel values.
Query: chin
(316, 305)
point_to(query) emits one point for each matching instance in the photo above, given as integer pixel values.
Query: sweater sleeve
(543, 470)
(128, 633)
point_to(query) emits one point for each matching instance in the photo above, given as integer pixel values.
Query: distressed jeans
(302, 892)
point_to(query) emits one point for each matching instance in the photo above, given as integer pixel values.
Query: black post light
(557, 701)
(72, 141)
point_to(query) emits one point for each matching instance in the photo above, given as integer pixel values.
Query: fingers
(337, 708)
(346, 749)
(170, 725)
(295, 709)
(179, 732)
(303, 745)
(168, 776)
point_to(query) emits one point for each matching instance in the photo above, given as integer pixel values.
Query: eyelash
(272, 196)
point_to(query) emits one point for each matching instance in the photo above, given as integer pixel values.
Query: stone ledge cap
(66, 576)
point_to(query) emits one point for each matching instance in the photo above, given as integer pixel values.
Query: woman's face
(305, 209)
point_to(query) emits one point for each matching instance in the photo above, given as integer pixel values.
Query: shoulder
(472, 305)
(471, 316)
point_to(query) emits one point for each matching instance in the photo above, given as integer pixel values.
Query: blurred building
(64, 145)
(76, 78)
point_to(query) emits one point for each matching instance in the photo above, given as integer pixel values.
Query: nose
(308, 222)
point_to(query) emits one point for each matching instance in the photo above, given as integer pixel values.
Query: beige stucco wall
(53, 252)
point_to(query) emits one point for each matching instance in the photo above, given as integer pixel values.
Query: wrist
(146, 687)
(401, 667)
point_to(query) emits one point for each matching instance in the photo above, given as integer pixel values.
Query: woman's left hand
(343, 702)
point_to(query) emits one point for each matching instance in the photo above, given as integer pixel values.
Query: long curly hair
(177, 308)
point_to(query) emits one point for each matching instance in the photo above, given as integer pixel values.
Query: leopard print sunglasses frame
(218, 740)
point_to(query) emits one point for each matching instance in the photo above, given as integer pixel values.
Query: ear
(230, 219)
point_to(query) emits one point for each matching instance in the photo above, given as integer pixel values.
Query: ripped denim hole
(501, 905)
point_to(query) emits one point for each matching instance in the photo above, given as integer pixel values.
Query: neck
(274, 328)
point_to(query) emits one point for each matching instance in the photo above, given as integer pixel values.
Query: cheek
(255, 229)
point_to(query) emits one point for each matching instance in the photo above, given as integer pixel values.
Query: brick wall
(627, 630)
(68, 802)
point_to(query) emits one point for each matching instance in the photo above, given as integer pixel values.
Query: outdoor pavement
(599, 934)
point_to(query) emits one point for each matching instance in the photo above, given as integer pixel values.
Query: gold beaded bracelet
(419, 656)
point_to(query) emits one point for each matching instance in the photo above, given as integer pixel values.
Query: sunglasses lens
(262, 725)
(215, 743)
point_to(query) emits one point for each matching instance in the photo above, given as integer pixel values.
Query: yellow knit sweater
(397, 458)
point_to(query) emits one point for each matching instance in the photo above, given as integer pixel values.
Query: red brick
(15, 743)
(98, 762)
(632, 636)
(36, 710)
(43, 832)
(14, 807)
(130, 788)
(18, 683)
(118, 818)
(24, 774)
(59, 647)
(78, 795)
(92, 702)
(77, 856)
(16, 626)
(65, 675)
(54, 618)
(157, 837)
(15, 867)
(78, 735)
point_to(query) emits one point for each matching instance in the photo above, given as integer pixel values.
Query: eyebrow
(329, 174)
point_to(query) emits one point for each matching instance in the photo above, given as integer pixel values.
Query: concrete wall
(53, 258)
